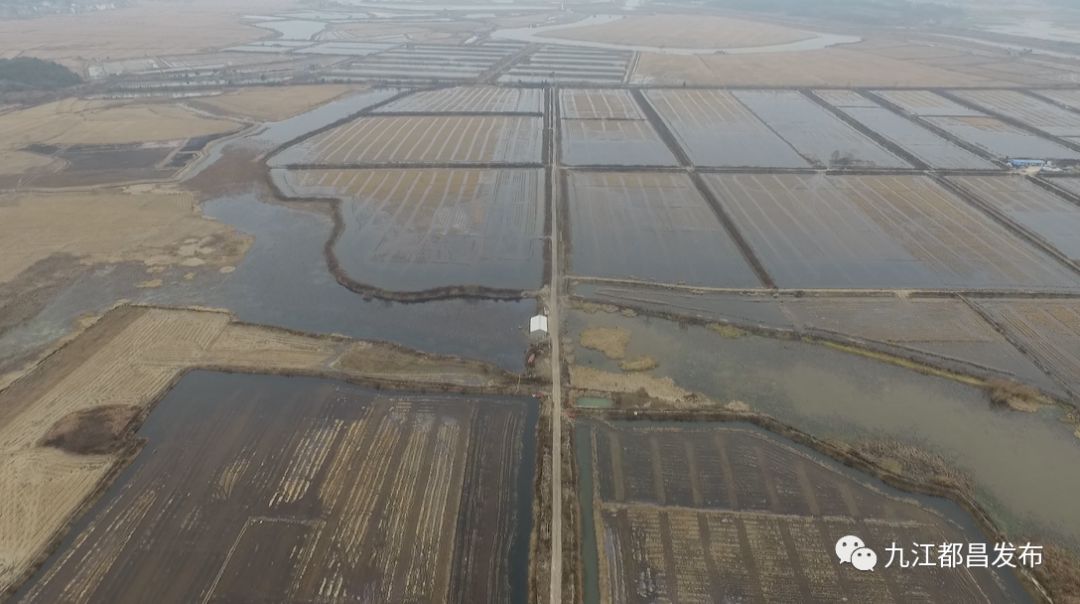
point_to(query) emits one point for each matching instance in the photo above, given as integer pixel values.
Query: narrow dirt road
(556, 364)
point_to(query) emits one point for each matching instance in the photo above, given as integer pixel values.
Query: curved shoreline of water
(535, 35)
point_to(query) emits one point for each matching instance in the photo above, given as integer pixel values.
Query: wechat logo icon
(852, 550)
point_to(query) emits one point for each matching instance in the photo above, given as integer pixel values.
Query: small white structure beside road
(538, 325)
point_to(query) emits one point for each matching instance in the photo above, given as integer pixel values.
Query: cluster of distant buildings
(1035, 165)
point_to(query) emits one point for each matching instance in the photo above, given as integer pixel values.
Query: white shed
(538, 324)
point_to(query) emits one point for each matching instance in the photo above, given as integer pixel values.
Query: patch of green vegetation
(28, 73)
(727, 331)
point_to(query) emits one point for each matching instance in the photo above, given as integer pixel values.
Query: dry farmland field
(424, 229)
(936, 151)
(480, 99)
(1048, 216)
(716, 129)
(650, 226)
(847, 65)
(346, 493)
(814, 133)
(678, 512)
(858, 232)
(423, 139)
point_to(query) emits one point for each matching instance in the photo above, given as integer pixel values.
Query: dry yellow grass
(684, 31)
(642, 363)
(89, 122)
(157, 226)
(845, 66)
(612, 341)
(663, 389)
(130, 357)
(143, 29)
(272, 103)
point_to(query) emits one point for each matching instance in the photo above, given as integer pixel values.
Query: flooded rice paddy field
(1048, 216)
(613, 142)
(597, 104)
(925, 103)
(555, 64)
(1048, 329)
(346, 493)
(1065, 183)
(430, 62)
(1068, 98)
(423, 139)
(409, 230)
(1020, 465)
(817, 231)
(1032, 111)
(716, 129)
(606, 127)
(1002, 140)
(480, 99)
(985, 132)
(406, 227)
(650, 226)
(937, 152)
(814, 133)
(727, 512)
(844, 98)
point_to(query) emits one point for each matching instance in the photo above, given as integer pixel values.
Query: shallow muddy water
(273, 134)
(1023, 465)
(284, 281)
